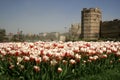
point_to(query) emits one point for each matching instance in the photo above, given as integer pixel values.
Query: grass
(89, 72)
(109, 74)
(101, 69)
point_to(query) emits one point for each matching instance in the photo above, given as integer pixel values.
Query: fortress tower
(90, 23)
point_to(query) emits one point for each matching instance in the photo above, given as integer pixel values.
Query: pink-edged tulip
(26, 58)
(36, 68)
(76, 50)
(104, 56)
(118, 53)
(37, 60)
(45, 58)
(77, 57)
(72, 61)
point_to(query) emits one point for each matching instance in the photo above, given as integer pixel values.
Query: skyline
(36, 16)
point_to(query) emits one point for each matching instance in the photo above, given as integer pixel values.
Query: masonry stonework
(90, 23)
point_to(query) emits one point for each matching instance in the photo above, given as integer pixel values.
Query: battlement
(87, 10)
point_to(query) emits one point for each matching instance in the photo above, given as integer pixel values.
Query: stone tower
(90, 23)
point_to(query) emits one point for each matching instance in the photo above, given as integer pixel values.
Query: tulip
(32, 57)
(95, 57)
(11, 66)
(49, 53)
(26, 58)
(60, 46)
(118, 60)
(104, 56)
(22, 66)
(36, 68)
(37, 60)
(12, 52)
(64, 62)
(17, 53)
(118, 53)
(31, 45)
(45, 58)
(53, 62)
(111, 62)
(77, 57)
(19, 59)
(3, 52)
(109, 51)
(76, 49)
(90, 58)
(104, 49)
(59, 70)
(72, 61)
(8, 49)
(54, 44)
(114, 49)
(84, 61)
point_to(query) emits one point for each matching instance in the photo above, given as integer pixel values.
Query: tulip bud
(89, 60)
(11, 66)
(90, 57)
(95, 57)
(59, 70)
(53, 62)
(104, 56)
(19, 59)
(36, 68)
(84, 61)
(118, 53)
(64, 62)
(77, 57)
(111, 62)
(72, 61)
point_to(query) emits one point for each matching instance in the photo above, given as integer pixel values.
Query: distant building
(10, 36)
(110, 29)
(75, 30)
(52, 36)
(90, 23)
(62, 38)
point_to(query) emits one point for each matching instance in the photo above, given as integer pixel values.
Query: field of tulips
(78, 60)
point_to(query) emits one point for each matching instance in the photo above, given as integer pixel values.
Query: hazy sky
(36, 16)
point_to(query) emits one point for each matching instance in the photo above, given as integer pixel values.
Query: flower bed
(57, 60)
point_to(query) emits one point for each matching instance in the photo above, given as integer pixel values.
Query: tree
(2, 35)
(19, 37)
